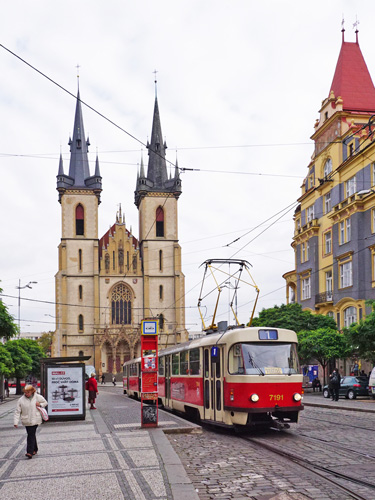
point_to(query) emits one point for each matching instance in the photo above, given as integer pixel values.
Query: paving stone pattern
(89, 459)
(223, 465)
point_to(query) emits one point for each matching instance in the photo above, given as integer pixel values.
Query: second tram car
(243, 377)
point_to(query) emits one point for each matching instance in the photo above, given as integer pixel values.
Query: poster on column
(65, 391)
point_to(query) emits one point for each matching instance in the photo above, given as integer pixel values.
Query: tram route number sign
(214, 353)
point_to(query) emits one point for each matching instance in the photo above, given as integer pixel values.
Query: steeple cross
(355, 25)
(155, 81)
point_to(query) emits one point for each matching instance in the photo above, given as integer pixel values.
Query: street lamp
(19, 287)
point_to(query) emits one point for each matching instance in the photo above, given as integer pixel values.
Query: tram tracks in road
(340, 423)
(337, 446)
(321, 471)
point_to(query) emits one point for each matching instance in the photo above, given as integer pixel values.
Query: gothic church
(106, 286)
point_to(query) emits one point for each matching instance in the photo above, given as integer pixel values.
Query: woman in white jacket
(30, 416)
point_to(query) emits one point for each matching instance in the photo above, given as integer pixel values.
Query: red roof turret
(352, 80)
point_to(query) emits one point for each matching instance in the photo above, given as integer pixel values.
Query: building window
(345, 232)
(113, 260)
(327, 242)
(373, 174)
(80, 259)
(329, 283)
(160, 260)
(305, 249)
(135, 263)
(373, 220)
(306, 288)
(80, 226)
(310, 213)
(80, 292)
(161, 292)
(351, 149)
(80, 323)
(121, 302)
(346, 278)
(159, 222)
(350, 316)
(348, 229)
(327, 202)
(331, 314)
(81, 354)
(161, 322)
(350, 186)
(327, 167)
(311, 181)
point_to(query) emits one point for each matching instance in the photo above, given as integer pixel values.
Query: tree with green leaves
(45, 342)
(6, 363)
(323, 344)
(292, 317)
(21, 360)
(35, 351)
(8, 327)
(361, 336)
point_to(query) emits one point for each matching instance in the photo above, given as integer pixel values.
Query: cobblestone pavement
(107, 456)
(223, 465)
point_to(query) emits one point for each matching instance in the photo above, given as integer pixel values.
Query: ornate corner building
(106, 286)
(334, 233)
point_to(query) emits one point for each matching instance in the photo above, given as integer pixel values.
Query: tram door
(213, 385)
(168, 360)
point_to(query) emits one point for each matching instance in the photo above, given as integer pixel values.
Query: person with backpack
(334, 385)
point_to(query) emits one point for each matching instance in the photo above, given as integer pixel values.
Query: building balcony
(313, 224)
(323, 297)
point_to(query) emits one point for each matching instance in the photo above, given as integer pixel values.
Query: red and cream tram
(242, 377)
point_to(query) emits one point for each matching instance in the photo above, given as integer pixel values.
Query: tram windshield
(263, 358)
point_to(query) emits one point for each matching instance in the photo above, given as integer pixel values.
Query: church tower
(77, 279)
(156, 197)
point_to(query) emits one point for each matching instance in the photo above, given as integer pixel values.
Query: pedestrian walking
(114, 380)
(92, 387)
(6, 388)
(103, 379)
(334, 383)
(27, 410)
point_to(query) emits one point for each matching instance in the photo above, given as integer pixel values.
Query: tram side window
(161, 366)
(175, 364)
(125, 371)
(184, 364)
(206, 364)
(194, 362)
(236, 365)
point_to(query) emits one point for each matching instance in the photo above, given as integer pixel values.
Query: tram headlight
(297, 396)
(254, 398)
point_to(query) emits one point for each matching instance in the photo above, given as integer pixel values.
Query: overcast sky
(240, 85)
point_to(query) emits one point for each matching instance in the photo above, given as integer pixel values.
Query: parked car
(371, 384)
(350, 387)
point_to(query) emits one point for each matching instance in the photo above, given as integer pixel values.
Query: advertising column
(149, 373)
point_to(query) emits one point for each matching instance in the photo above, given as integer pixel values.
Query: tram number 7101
(276, 397)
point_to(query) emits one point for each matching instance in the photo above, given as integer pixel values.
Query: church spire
(156, 180)
(79, 163)
(79, 171)
(157, 168)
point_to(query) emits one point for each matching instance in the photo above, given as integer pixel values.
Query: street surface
(109, 456)
(224, 465)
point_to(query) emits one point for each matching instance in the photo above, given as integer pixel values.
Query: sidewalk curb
(347, 408)
(181, 486)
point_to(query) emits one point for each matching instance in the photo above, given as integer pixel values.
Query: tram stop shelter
(62, 383)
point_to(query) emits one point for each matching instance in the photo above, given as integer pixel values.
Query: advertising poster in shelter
(65, 391)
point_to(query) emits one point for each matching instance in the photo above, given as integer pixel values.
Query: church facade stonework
(106, 286)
